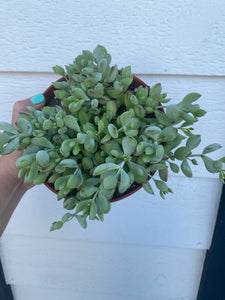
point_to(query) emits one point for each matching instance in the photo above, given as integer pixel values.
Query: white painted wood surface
(185, 219)
(156, 251)
(160, 37)
(93, 270)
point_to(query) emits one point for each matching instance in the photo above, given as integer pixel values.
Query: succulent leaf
(4, 138)
(192, 97)
(8, 128)
(211, 148)
(129, 144)
(24, 125)
(42, 142)
(124, 182)
(105, 168)
(193, 141)
(182, 153)
(10, 147)
(186, 169)
(71, 122)
(42, 158)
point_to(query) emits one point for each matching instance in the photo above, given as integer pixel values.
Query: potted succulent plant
(102, 135)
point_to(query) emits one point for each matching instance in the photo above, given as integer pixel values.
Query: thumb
(37, 101)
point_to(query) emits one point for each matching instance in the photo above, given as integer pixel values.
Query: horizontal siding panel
(101, 268)
(28, 292)
(185, 219)
(157, 37)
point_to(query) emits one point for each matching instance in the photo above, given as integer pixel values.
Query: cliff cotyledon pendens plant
(102, 136)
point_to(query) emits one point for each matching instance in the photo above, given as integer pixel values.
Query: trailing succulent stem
(104, 137)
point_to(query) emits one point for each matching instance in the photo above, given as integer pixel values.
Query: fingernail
(37, 99)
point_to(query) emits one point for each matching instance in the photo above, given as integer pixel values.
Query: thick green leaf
(100, 53)
(10, 147)
(193, 141)
(59, 70)
(22, 172)
(42, 158)
(67, 217)
(89, 143)
(172, 112)
(60, 182)
(68, 163)
(63, 85)
(87, 191)
(88, 55)
(174, 167)
(8, 127)
(42, 142)
(87, 163)
(192, 97)
(82, 205)
(159, 154)
(186, 169)
(71, 122)
(112, 145)
(163, 174)
(139, 172)
(125, 117)
(25, 126)
(211, 148)
(111, 75)
(168, 134)
(70, 203)
(32, 173)
(75, 106)
(93, 210)
(82, 221)
(139, 111)
(73, 181)
(31, 149)
(61, 94)
(41, 178)
(104, 168)
(4, 138)
(155, 91)
(124, 182)
(162, 118)
(103, 204)
(182, 153)
(157, 166)
(63, 193)
(152, 132)
(56, 225)
(129, 144)
(110, 182)
(212, 166)
(162, 186)
(25, 160)
(102, 65)
(148, 188)
(94, 77)
(113, 131)
(79, 93)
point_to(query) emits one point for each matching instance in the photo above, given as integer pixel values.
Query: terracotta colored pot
(49, 94)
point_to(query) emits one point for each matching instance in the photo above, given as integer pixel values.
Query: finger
(37, 102)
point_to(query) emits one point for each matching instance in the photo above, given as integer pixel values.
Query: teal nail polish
(37, 99)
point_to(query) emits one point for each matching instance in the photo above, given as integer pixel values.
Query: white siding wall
(147, 248)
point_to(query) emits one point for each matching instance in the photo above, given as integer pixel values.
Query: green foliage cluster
(105, 136)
